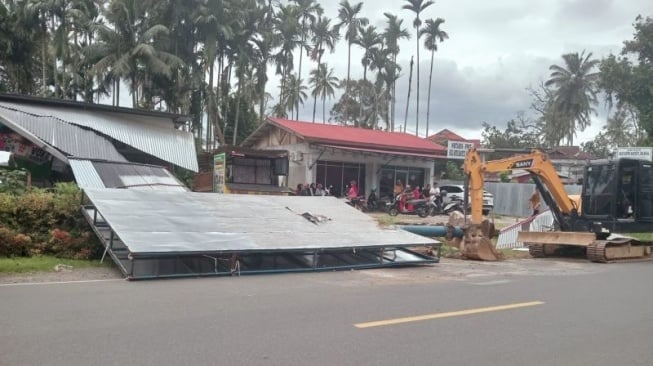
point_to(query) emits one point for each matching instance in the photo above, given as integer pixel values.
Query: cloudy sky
(495, 51)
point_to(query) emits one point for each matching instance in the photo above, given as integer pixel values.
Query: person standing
(353, 190)
(399, 188)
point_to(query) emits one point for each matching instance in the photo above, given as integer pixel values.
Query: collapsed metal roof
(72, 140)
(105, 174)
(162, 233)
(149, 133)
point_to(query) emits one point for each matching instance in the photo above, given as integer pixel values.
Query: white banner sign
(458, 149)
(640, 153)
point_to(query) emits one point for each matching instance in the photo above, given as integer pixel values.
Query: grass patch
(641, 236)
(44, 264)
(386, 220)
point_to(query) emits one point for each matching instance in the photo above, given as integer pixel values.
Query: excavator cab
(619, 193)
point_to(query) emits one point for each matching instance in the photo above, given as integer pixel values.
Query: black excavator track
(619, 250)
(536, 250)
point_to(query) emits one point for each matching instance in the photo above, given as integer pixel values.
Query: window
(390, 175)
(598, 192)
(339, 174)
(250, 171)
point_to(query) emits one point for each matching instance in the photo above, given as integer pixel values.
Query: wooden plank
(556, 237)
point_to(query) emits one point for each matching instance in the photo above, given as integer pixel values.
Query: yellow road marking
(447, 315)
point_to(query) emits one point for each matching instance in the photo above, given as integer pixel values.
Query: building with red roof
(445, 135)
(334, 155)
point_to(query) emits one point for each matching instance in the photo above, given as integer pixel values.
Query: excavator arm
(540, 167)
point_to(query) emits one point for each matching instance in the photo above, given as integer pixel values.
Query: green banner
(219, 170)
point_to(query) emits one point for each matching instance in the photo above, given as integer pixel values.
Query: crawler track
(536, 250)
(596, 251)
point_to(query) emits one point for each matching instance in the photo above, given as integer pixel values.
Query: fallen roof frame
(157, 254)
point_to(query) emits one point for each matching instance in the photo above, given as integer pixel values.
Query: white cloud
(495, 51)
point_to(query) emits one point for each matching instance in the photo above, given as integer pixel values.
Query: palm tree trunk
(324, 109)
(44, 49)
(116, 90)
(394, 93)
(54, 68)
(428, 100)
(417, 112)
(234, 138)
(347, 86)
(210, 105)
(299, 70)
(360, 92)
(314, 106)
(410, 82)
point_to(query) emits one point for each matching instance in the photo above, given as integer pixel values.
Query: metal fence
(511, 199)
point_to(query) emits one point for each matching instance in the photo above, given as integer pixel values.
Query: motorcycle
(411, 206)
(372, 203)
(437, 207)
(358, 203)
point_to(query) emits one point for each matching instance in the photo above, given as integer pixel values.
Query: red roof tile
(359, 137)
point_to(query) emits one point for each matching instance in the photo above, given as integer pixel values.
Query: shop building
(334, 155)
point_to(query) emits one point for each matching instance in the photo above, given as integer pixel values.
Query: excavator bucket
(477, 244)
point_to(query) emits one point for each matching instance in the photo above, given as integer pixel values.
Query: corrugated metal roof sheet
(359, 137)
(101, 174)
(153, 135)
(85, 174)
(71, 139)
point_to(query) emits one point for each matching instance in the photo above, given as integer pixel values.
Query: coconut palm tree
(19, 45)
(433, 35)
(575, 89)
(214, 29)
(288, 29)
(348, 15)
(417, 7)
(308, 11)
(393, 33)
(368, 40)
(125, 48)
(295, 93)
(324, 85)
(324, 37)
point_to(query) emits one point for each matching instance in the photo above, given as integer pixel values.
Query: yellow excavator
(617, 196)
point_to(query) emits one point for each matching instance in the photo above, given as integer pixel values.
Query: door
(644, 209)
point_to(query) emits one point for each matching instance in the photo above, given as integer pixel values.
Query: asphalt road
(590, 314)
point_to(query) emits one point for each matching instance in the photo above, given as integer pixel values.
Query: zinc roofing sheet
(85, 174)
(70, 139)
(150, 134)
(101, 174)
(190, 222)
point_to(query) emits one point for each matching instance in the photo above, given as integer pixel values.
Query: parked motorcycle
(437, 207)
(372, 202)
(358, 203)
(419, 207)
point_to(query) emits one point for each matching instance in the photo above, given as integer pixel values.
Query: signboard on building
(219, 170)
(640, 153)
(458, 149)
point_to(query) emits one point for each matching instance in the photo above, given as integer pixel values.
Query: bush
(13, 244)
(46, 222)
